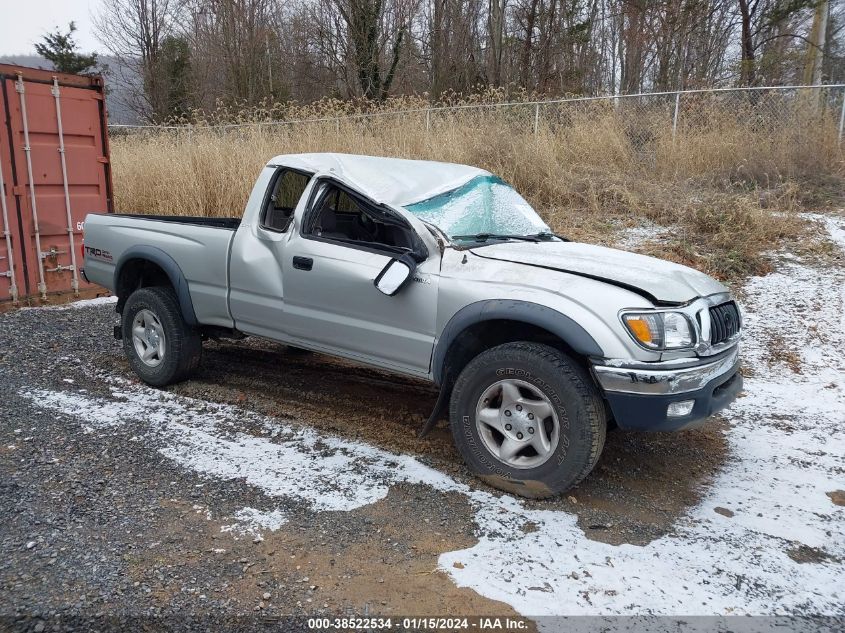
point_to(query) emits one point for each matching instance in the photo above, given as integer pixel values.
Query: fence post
(842, 116)
(536, 117)
(675, 117)
(428, 119)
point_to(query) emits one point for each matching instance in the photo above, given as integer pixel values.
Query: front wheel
(527, 419)
(161, 348)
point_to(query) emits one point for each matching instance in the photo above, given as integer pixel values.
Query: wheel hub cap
(517, 423)
(148, 338)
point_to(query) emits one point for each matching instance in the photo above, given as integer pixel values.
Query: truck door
(256, 283)
(330, 299)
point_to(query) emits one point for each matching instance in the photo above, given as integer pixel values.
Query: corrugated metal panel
(55, 170)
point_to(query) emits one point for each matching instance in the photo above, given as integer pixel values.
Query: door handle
(303, 263)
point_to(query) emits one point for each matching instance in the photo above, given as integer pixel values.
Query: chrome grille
(724, 322)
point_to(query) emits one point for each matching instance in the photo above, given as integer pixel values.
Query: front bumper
(639, 394)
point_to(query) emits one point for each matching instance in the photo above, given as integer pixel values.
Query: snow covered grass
(742, 550)
(636, 237)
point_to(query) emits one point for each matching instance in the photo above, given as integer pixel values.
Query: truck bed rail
(220, 223)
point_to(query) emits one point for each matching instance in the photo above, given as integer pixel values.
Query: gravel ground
(123, 504)
(100, 523)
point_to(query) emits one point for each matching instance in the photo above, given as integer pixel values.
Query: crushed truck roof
(393, 181)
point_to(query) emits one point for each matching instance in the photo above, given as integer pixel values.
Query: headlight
(660, 330)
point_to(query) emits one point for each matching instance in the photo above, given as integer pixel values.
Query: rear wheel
(527, 419)
(161, 348)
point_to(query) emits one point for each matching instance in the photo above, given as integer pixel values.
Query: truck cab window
(340, 216)
(287, 190)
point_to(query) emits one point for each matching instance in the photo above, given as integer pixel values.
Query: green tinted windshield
(486, 204)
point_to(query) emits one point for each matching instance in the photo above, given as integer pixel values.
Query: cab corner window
(287, 189)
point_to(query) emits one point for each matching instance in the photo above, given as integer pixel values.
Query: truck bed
(194, 248)
(197, 220)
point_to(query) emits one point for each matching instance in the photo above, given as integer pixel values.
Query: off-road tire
(572, 394)
(183, 344)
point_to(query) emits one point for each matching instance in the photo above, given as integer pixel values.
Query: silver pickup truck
(443, 272)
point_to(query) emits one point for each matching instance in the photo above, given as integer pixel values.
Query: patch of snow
(836, 229)
(98, 413)
(787, 442)
(253, 522)
(86, 303)
(75, 305)
(635, 237)
(327, 472)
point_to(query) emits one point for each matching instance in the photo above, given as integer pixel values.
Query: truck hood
(658, 280)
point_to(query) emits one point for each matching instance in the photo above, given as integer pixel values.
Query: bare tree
(496, 33)
(816, 43)
(134, 31)
(372, 35)
(456, 58)
(251, 51)
(235, 37)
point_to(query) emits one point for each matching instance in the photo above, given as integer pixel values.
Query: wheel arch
(474, 327)
(141, 266)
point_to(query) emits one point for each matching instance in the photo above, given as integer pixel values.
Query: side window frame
(268, 197)
(318, 192)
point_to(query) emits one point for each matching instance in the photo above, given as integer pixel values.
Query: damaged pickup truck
(443, 272)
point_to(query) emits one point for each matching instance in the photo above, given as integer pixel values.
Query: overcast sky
(24, 22)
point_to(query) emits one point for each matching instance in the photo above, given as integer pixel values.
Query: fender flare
(542, 316)
(170, 268)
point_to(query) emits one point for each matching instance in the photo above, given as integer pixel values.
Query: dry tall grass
(588, 167)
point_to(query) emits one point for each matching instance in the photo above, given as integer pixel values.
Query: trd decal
(98, 253)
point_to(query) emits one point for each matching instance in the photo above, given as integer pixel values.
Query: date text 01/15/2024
(419, 623)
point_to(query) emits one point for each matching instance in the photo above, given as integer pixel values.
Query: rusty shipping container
(54, 170)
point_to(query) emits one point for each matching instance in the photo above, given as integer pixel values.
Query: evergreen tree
(174, 63)
(61, 49)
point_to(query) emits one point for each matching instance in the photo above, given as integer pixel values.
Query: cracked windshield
(486, 204)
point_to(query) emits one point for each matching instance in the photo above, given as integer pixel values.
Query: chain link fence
(593, 153)
(644, 117)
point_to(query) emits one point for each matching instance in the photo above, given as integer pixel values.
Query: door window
(287, 189)
(343, 217)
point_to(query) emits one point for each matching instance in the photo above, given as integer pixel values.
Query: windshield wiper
(486, 237)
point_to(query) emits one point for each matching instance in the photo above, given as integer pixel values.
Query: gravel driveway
(279, 483)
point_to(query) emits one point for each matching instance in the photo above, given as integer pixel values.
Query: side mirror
(395, 275)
